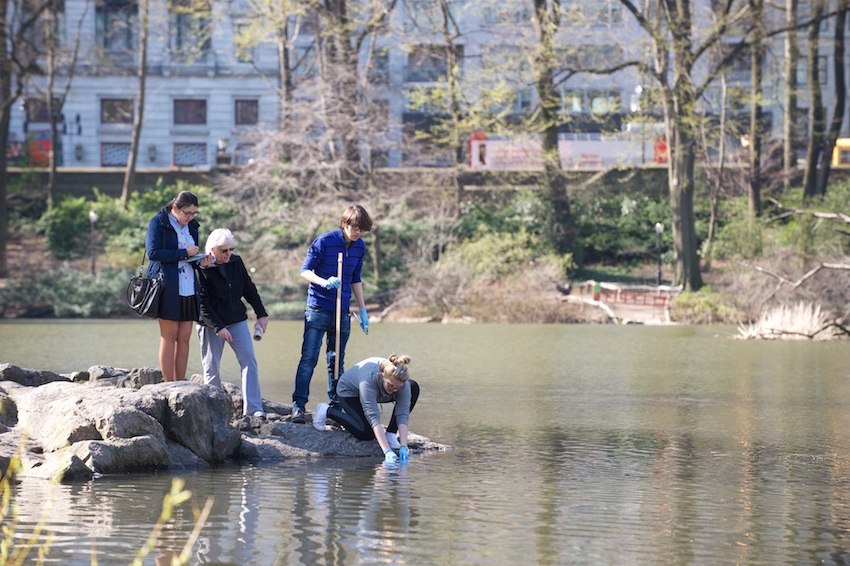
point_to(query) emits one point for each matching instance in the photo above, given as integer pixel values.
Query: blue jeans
(317, 322)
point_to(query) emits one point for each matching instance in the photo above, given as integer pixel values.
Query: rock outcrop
(106, 421)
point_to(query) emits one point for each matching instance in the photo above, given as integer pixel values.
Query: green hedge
(65, 293)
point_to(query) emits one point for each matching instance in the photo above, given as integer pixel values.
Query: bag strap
(145, 252)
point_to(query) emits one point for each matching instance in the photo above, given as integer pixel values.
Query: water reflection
(346, 514)
(385, 514)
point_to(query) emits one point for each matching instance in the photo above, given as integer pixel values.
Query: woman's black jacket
(222, 287)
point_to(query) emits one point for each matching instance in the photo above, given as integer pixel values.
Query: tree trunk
(789, 155)
(130, 172)
(455, 138)
(838, 108)
(680, 113)
(4, 177)
(52, 112)
(687, 268)
(817, 121)
(555, 185)
(376, 252)
(714, 192)
(287, 87)
(756, 58)
(7, 100)
(452, 81)
(342, 60)
(13, 69)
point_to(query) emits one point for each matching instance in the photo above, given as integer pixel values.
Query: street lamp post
(659, 228)
(92, 238)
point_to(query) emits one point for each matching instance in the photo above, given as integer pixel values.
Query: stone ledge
(76, 427)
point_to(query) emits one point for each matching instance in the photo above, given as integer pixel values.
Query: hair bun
(396, 359)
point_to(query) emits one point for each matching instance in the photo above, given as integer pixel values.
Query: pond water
(572, 444)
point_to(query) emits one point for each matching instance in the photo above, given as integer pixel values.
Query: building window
(507, 13)
(115, 22)
(522, 100)
(823, 69)
(36, 110)
(588, 56)
(304, 65)
(428, 100)
(244, 153)
(379, 157)
(116, 111)
(379, 69)
(427, 63)
(114, 154)
(190, 112)
(304, 24)
(590, 102)
(190, 154)
(244, 44)
(420, 10)
(247, 112)
(191, 28)
(50, 21)
(604, 102)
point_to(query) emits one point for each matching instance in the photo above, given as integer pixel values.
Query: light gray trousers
(211, 348)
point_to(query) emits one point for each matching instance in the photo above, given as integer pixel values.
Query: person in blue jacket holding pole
(320, 269)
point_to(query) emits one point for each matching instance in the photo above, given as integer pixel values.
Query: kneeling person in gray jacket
(360, 389)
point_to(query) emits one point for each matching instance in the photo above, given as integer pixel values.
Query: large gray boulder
(8, 411)
(198, 417)
(121, 377)
(28, 377)
(113, 429)
(109, 420)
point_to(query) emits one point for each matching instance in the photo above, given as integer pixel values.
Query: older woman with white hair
(224, 317)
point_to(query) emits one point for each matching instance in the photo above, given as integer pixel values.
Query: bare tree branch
(794, 284)
(827, 215)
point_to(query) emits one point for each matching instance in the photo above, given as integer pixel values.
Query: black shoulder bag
(144, 293)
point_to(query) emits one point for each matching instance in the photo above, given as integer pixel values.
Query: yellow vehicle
(841, 153)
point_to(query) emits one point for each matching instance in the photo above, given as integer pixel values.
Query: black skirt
(188, 308)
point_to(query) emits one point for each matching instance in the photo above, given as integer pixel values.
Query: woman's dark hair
(184, 199)
(356, 215)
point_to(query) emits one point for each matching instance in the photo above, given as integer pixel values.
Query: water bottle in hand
(258, 331)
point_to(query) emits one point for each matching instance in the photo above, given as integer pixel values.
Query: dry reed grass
(798, 321)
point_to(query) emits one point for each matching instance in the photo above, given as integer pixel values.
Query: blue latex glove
(403, 454)
(332, 283)
(364, 320)
(390, 457)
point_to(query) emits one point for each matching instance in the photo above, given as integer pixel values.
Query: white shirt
(185, 275)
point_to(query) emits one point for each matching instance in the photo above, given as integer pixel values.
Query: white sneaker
(321, 416)
(259, 414)
(392, 438)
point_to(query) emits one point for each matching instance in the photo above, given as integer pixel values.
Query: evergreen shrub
(620, 228)
(65, 293)
(703, 307)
